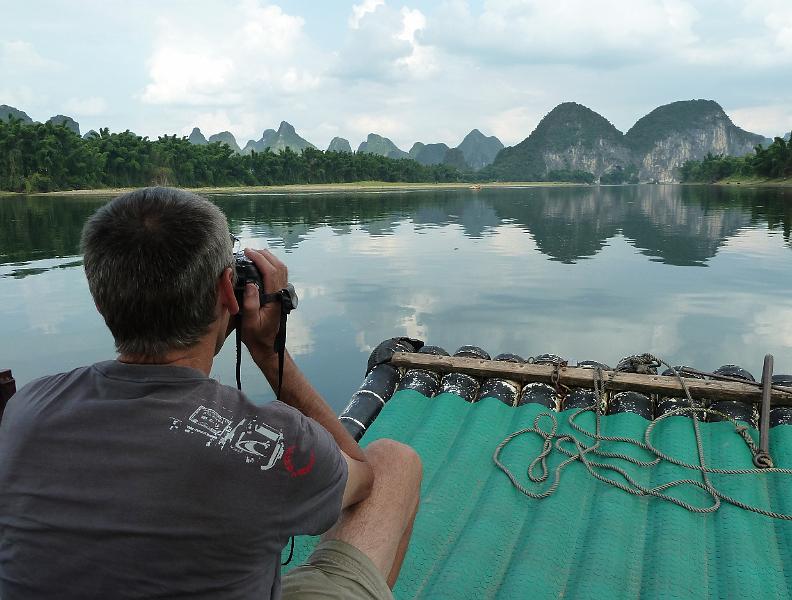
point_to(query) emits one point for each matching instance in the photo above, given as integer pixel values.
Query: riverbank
(755, 181)
(359, 186)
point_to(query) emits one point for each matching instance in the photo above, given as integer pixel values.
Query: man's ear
(225, 291)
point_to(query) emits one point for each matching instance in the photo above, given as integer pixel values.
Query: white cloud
(362, 125)
(210, 123)
(422, 60)
(511, 240)
(428, 71)
(772, 327)
(18, 55)
(254, 50)
(20, 96)
(181, 76)
(301, 338)
(297, 81)
(361, 10)
(615, 33)
(86, 107)
(268, 29)
(373, 48)
(777, 18)
(575, 31)
(510, 125)
(769, 120)
(383, 45)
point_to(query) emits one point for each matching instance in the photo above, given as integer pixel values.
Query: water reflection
(587, 273)
(672, 224)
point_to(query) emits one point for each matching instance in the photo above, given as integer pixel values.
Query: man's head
(153, 258)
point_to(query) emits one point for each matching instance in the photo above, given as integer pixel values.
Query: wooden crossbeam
(584, 378)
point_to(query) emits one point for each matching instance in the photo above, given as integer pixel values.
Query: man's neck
(193, 357)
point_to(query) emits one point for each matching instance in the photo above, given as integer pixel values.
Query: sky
(417, 70)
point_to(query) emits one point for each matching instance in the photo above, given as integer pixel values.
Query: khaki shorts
(336, 570)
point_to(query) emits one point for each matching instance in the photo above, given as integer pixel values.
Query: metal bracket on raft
(762, 459)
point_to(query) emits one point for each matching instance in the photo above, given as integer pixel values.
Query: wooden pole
(584, 378)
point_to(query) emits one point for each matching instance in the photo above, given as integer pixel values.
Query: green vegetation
(618, 175)
(567, 125)
(46, 157)
(430, 154)
(570, 124)
(571, 176)
(678, 118)
(773, 162)
(376, 144)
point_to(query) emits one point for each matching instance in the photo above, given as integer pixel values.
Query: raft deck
(477, 536)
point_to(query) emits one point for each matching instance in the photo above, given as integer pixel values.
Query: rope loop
(575, 449)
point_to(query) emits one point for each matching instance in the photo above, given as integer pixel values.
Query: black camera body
(247, 272)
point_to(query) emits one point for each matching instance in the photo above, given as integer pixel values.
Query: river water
(697, 275)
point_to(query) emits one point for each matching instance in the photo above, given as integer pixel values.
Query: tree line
(774, 162)
(42, 157)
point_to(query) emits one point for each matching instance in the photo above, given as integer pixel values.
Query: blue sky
(413, 70)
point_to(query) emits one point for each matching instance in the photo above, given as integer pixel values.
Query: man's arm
(259, 327)
(296, 391)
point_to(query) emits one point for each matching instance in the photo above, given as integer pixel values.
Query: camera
(246, 272)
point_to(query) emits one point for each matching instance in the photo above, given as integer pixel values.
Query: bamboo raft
(633, 386)
(534, 480)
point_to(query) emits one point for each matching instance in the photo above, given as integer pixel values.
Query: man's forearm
(296, 391)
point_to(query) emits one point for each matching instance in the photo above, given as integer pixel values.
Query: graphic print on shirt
(257, 442)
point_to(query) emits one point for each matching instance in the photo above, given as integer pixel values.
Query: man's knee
(390, 456)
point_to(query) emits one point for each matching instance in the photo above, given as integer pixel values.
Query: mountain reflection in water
(503, 268)
(677, 225)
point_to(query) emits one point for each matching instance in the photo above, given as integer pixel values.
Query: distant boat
(475, 187)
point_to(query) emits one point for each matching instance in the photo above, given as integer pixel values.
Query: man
(141, 477)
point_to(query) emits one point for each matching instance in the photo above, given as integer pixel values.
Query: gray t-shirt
(151, 481)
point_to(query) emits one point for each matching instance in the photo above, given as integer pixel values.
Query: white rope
(582, 452)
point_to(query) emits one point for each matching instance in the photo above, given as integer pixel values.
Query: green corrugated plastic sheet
(477, 537)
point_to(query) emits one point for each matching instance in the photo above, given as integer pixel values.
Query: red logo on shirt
(288, 462)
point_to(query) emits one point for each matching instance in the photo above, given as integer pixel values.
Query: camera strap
(283, 297)
(280, 341)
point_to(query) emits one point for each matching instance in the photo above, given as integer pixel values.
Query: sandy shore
(361, 186)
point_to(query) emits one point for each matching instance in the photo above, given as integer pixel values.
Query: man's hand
(260, 324)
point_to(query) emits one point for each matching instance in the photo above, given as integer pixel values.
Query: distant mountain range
(9, 112)
(569, 138)
(572, 137)
(225, 137)
(473, 153)
(339, 144)
(284, 137)
(376, 144)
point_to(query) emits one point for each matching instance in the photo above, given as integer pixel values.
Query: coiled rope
(587, 454)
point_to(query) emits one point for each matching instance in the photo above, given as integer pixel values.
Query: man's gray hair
(152, 259)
